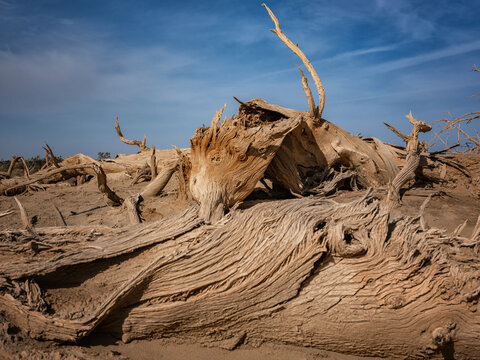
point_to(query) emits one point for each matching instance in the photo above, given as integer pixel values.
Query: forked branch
(140, 144)
(454, 123)
(306, 62)
(48, 151)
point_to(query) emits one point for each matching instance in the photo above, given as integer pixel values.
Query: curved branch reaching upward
(301, 55)
(140, 144)
(8, 174)
(308, 94)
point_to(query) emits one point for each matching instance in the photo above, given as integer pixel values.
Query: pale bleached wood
(23, 215)
(6, 213)
(308, 94)
(321, 92)
(8, 174)
(156, 186)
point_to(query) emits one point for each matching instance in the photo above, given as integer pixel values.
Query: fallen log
(292, 271)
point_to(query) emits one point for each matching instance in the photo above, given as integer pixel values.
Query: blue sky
(67, 68)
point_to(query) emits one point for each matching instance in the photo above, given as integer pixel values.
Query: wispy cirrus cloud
(365, 51)
(67, 68)
(425, 58)
(407, 18)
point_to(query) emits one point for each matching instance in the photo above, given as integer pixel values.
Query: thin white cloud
(424, 58)
(406, 18)
(360, 52)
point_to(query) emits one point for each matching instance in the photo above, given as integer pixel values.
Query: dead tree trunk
(287, 146)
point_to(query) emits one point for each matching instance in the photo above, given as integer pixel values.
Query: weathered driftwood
(292, 271)
(48, 151)
(6, 213)
(13, 187)
(311, 272)
(316, 113)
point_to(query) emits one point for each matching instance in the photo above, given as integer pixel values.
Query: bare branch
(6, 213)
(466, 135)
(59, 215)
(49, 150)
(412, 161)
(301, 55)
(8, 174)
(308, 94)
(239, 101)
(8, 189)
(47, 161)
(444, 150)
(140, 144)
(396, 131)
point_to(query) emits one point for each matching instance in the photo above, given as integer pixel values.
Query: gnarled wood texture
(294, 271)
(346, 277)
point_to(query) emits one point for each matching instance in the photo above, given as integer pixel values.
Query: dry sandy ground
(83, 204)
(161, 349)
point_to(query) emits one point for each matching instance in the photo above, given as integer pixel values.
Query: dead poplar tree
(345, 277)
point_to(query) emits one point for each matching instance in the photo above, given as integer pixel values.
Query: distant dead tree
(456, 125)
